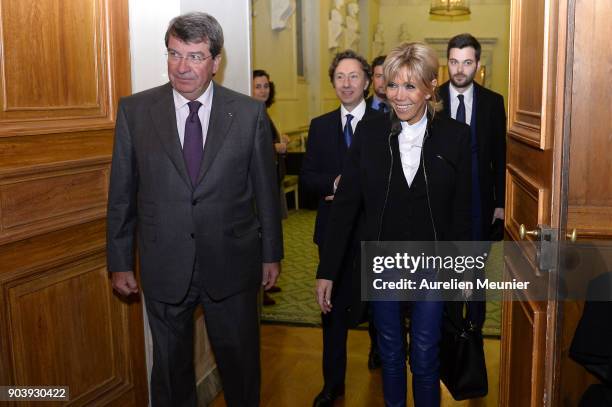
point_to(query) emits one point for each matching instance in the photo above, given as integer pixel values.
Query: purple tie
(192, 145)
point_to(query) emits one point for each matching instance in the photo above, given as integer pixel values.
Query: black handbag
(462, 362)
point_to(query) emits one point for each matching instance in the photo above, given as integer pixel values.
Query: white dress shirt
(182, 112)
(410, 146)
(468, 98)
(357, 113)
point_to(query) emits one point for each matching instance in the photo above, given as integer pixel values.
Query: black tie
(382, 106)
(460, 117)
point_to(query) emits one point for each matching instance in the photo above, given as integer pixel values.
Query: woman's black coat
(365, 181)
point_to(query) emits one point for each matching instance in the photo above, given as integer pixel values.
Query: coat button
(192, 235)
(194, 202)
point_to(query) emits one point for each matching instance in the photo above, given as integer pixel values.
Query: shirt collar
(418, 127)
(376, 101)
(468, 95)
(205, 98)
(357, 112)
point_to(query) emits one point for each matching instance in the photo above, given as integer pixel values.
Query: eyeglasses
(192, 59)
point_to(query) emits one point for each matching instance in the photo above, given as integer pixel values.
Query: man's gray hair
(197, 27)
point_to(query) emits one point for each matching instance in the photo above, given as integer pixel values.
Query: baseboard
(208, 388)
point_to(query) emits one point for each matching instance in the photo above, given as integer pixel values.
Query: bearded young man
(483, 110)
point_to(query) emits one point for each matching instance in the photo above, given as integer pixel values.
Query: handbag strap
(455, 316)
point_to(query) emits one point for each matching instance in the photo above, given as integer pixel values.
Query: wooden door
(533, 193)
(63, 66)
(589, 204)
(556, 129)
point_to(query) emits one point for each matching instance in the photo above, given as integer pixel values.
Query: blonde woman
(412, 174)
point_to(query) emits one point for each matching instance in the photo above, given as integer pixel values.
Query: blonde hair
(422, 64)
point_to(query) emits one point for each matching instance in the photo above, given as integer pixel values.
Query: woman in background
(263, 90)
(412, 174)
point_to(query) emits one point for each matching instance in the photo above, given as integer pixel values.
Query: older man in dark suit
(483, 110)
(193, 183)
(329, 138)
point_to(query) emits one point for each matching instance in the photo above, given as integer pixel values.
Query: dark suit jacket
(365, 181)
(230, 220)
(323, 160)
(325, 154)
(369, 101)
(489, 119)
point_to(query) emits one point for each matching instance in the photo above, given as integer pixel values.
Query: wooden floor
(291, 370)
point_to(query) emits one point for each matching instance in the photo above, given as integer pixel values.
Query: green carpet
(296, 304)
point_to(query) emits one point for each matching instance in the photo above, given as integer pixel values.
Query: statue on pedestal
(280, 11)
(404, 34)
(351, 39)
(378, 45)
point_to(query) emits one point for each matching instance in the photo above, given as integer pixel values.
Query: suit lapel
(445, 94)
(163, 116)
(371, 112)
(336, 128)
(478, 116)
(221, 117)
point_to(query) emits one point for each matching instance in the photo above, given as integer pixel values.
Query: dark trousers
(233, 329)
(336, 324)
(335, 332)
(425, 333)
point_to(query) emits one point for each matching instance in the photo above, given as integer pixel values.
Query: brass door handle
(523, 232)
(572, 236)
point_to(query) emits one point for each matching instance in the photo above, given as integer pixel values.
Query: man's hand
(498, 214)
(324, 290)
(337, 182)
(124, 283)
(270, 274)
(281, 148)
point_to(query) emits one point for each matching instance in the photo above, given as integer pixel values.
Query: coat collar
(445, 95)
